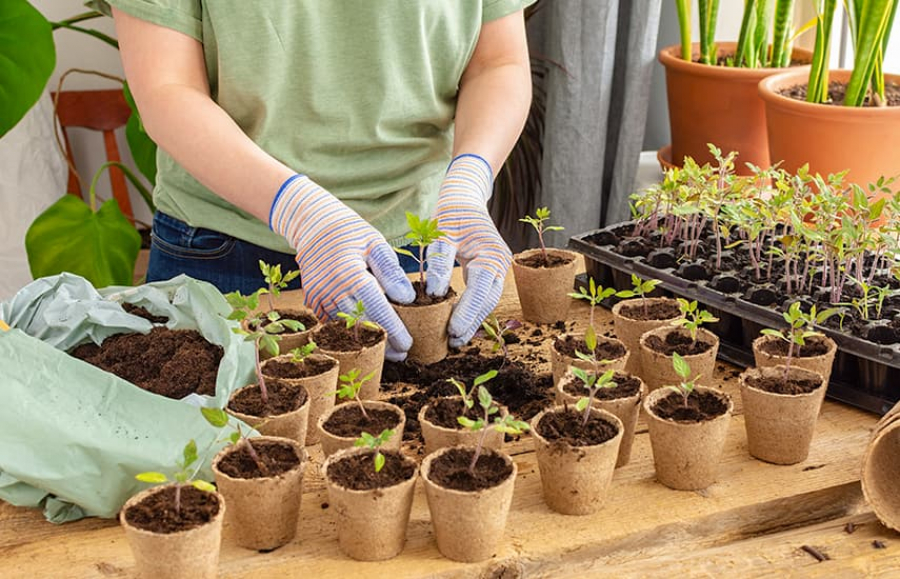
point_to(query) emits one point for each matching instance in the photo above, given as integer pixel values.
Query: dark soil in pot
(290, 370)
(451, 470)
(677, 342)
(605, 350)
(813, 346)
(143, 313)
(357, 472)
(445, 411)
(537, 261)
(567, 427)
(423, 299)
(778, 385)
(283, 398)
(700, 407)
(277, 457)
(625, 386)
(308, 320)
(336, 337)
(838, 90)
(171, 363)
(348, 421)
(156, 513)
(654, 311)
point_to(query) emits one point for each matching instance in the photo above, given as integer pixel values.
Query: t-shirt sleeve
(180, 15)
(494, 9)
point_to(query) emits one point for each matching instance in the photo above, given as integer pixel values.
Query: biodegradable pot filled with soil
(318, 375)
(285, 413)
(361, 347)
(167, 545)
(543, 287)
(623, 402)
(563, 354)
(632, 318)
(816, 355)
(440, 428)
(687, 439)
(263, 496)
(880, 471)
(427, 319)
(468, 513)
(340, 427)
(658, 345)
(576, 459)
(780, 412)
(289, 339)
(372, 507)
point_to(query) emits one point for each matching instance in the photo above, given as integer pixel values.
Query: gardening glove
(471, 236)
(334, 247)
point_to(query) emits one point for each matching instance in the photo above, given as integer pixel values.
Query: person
(306, 129)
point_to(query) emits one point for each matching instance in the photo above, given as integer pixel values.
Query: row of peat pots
(751, 111)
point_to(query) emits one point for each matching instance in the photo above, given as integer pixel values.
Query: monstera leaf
(27, 57)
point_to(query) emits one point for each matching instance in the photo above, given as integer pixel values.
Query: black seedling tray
(865, 374)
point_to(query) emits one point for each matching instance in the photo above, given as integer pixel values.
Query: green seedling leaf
(189, 453)
(484, 397)
(152, 477)
(681, 366)
(582, 404)
(379, 461)
(489, 375)
(203, 486)
(215, 416)
(590, 338)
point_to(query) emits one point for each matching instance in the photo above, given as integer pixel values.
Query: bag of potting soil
(73, 436)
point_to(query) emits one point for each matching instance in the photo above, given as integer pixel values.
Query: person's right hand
(334, 245)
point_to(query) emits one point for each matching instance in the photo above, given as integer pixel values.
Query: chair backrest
(99, 110)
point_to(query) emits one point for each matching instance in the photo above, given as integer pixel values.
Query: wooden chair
(99, 110)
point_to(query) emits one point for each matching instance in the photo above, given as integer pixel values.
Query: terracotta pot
(428, 327)
(544, 292)
(818, 364)
(193, 553)
(686, 455)
(780, 427)
(263, 511)
(880, 472)
(437, 437)
(332, 443)
(830, 138)
(321, 389)
(560, 363)
(626, 409)
(371, 524)
(367, 360)
(718, 105)
(575, 478)
(468, 526)
(291, 424)
(290, 340)
(629, 330)
(657, 367)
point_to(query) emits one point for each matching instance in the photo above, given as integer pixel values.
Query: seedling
(355, 319)
(685, 387)
(541, 215)
(692, 317)
(800, 327)
(467, 394)
(593, 294)
(218, 418)
(593, 383)
(275, 281)
(640, 288)
(183, 477)
(497, 332)
(507, 424)
(375, 443)
(423, 232)
(350, 385)
(299, 355)
(871, 301)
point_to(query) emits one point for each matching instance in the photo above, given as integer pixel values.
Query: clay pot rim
(665, 391)
(641, 393)
(701, 333)
(617, 308)
(328, 352)
(769, 86)
(300, 451)
(504, 410)
(287, 358)
(780, 368)
(832, 348)
(670, 57)
(240, 415)
(604, 414)
(424, 470)
(134, 499)
(320, 424)
(346, 452)
(550, 250)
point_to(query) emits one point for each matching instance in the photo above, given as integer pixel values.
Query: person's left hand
(471, 236)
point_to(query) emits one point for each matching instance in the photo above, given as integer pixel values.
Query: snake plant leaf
(28, 58)
(101, 247)
(143, 149)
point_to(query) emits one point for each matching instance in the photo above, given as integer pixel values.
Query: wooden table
(752, 523)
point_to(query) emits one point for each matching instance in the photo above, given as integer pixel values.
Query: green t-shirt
(359, 95)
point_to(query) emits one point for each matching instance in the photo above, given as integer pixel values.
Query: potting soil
(276, 458)
(294, 371)
(283, 398)
(445, 411)
(157, 514)
(335, 336)
(700, 407)
(813, 346)
(451, 470)
(605, 350)
(357, 472)
(626, 386)
(348, 421)
(778, 385)
(677, 342)
(566, 426)
(537, 261)
(654, 311)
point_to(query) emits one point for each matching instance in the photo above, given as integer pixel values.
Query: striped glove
(471, 236)
(334, 246)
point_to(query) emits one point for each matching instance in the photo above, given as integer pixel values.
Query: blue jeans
(228, 263)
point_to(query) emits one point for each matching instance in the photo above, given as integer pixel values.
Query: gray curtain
(596, 106)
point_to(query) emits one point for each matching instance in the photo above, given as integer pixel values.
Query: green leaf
(406, 252)
(379, 461)
(190, 453)
(681, 366)
(470, 424)
(28, 59)
(590, 338)
(489, 375)
(101, 247)
(215, 416)
(142, 147)
(203, 486)
(484, 397)
(581, 404)
(235, 437)
(293, 325)
(152, 477)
